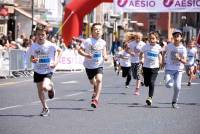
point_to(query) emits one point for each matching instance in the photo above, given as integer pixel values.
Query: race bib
(44, 60)
(152, 55)
(97, 56)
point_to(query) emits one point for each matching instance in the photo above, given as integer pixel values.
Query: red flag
(74, 13)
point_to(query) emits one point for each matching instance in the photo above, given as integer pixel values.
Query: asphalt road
(119, 111)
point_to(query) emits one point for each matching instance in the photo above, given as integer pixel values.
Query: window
(153, 16)
(152, 26)
(2, 29)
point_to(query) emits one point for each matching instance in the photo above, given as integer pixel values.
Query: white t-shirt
(171, 51)
(126, 60)
(191, 55)
(151, 55)
(46, 55)
(95, 47)
(136, 48)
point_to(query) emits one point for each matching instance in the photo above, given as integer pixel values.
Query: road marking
(1, 109)
(19, 82)
(193, 83)
(37, 102)
(12, 83)
(69, 82)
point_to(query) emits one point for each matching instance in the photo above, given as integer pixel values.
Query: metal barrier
(4, 63)
(15, 62)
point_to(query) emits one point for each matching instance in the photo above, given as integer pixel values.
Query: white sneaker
(45, 112)
(127, 86)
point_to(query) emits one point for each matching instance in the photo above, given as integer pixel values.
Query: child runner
(94, 51)
(151, 58)
(125, 64)
(134, 50)
(43, 55)
(176, 55)
(191, 59)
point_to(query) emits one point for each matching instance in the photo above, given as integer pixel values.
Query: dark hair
(95, 24)
(155, 33)
(41, 28)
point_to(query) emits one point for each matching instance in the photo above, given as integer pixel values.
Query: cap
(177, 31)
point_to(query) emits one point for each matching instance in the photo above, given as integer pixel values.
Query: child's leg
(99, 78)
(41, 94)
(177, 86)
(169, 79)
(153, 76)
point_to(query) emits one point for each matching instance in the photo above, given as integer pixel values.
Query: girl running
(151, 59)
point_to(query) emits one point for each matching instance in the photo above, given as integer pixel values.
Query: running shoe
(127, 86)
(175, 105)
(45, 112)
(51, 92)
(94, 103)
(137, 92)
(189, 84)
(149, 101)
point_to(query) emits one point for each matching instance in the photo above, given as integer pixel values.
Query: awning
(30, 16)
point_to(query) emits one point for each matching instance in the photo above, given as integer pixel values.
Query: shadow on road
(191, 104)
(18, 115)
(75, 109)
(138, 105)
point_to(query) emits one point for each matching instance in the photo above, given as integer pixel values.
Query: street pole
(32, 7)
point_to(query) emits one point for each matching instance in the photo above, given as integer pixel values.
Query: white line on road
(37, 102)
(12, 83)
(69, 82)
(1, 109)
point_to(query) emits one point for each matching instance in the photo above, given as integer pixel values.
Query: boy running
(176, 55)
(43, 55)
(94, 51)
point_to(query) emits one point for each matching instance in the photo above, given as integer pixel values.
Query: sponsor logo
(168, 3)
(122, 3)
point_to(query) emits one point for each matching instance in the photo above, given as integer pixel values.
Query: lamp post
(183, 19)
(115, 17)
(32, 9)
(183, 28)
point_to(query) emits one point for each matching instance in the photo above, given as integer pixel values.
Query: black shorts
(93, 72)
(40, 77)
(126, 71)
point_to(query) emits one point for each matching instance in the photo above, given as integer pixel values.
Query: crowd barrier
(15, 62)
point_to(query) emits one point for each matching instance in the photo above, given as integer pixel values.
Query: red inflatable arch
(73, 17)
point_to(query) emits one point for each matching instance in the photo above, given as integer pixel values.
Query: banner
(157, 5)
(70, 61)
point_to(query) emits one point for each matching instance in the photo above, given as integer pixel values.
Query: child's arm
(105, 56)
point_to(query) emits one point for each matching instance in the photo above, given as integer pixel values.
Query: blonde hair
(129, 36)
